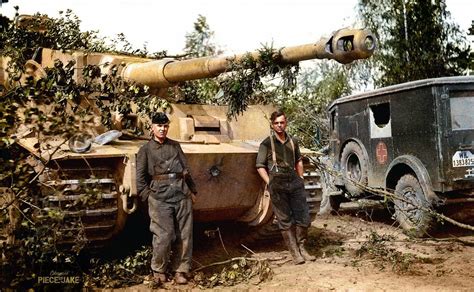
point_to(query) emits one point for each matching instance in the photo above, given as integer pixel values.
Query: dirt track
(446, 265)
(393, 261)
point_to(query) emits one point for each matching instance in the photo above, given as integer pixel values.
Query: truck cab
(415, 140)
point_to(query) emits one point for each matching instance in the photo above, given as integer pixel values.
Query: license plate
(463, 158)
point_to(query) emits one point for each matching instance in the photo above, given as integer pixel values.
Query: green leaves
(199, 42)
(376, 248)
(52, 107)
(235, 271)
(306, 106)
(114, 273)
(417, 40)
(257, 80)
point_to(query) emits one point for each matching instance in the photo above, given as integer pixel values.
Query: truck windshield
(462, 112)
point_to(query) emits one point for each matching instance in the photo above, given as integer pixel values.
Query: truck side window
(380, 124)
(461, 104)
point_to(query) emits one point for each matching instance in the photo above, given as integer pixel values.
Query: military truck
(221, 152)
(416, 139)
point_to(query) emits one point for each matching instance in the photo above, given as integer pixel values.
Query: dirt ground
(391, 261)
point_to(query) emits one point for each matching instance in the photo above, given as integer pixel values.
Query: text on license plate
(463, 158)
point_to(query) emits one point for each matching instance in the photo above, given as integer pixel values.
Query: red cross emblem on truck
(381, 152)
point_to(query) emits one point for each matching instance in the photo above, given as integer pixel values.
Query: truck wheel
(411, 207)
(354, 168)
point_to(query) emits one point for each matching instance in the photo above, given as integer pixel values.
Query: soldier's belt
(282, 170)
(168, 176)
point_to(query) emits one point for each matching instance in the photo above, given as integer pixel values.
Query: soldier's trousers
(288, 198)
(172, 228)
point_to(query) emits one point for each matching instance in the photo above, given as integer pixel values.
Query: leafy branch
(250, 78)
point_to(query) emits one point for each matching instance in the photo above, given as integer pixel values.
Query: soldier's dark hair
(276, 114)
(159, 118)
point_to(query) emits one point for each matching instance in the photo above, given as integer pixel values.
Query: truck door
(459, 166)
(381, 145)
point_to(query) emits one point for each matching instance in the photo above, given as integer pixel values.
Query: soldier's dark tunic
(287, 192)
(160, 180)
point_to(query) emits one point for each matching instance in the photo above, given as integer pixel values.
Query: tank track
(312, 185)
(87, 199)
(270, 231)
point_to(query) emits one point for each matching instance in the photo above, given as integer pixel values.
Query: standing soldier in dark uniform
(163, 179)
(280, 165)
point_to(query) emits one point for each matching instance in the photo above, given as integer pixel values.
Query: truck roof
(402, 87)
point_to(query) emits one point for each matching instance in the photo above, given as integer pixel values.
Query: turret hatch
(204, 129)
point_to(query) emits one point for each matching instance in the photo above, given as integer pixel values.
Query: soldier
(280, 165)
(163, 179)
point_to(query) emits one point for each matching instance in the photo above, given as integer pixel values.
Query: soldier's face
(279, 124)
(160, 131)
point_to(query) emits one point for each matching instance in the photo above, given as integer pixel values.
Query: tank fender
(416, 166)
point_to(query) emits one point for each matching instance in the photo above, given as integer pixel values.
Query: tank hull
(229, 187)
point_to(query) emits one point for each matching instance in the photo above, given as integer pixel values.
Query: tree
(317, 87)
(471, 55)
(51, 107)
(416, 39)
(199, 43)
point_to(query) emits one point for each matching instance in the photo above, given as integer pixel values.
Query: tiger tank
(221, 152)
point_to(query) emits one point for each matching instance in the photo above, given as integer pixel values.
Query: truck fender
(405, 164)
(364, 164)
(358, 141)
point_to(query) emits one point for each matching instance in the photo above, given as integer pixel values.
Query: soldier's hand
(193, 197)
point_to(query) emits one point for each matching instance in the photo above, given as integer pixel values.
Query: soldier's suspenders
(274, 158)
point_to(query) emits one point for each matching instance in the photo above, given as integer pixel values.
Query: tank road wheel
(261, 213)
(354, 168)
(411, 209)
(261, 222)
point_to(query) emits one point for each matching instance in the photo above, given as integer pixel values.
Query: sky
(239, 25)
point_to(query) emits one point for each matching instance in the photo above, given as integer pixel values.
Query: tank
(221, 153)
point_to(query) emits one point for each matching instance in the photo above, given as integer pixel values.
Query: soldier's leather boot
(179, 278)
(301, 237)
(159, 278)
(290, 240)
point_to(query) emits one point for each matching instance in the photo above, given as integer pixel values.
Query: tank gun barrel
(343, 46)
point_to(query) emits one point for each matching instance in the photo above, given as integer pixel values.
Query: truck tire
(354, 166)
(412, 208)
